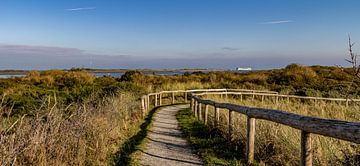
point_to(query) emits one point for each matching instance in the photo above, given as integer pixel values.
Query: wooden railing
(344, 130)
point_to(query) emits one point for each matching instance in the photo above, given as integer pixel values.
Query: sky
(159, 34)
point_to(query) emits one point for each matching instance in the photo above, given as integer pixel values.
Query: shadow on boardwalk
(123, 156)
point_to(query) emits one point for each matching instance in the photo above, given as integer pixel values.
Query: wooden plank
(306, 150)
(250, 142)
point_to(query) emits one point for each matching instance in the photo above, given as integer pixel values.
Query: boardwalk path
(166, 144)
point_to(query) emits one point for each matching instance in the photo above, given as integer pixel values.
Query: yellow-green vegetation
(294, 79)
(212, 146)
(277, 144)
(72, 117)
(66, 118)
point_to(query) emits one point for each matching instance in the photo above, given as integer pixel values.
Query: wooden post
(160, 97)
(195, 108)
(172, 98)
(250, 143)
(241, 97)
(185, 97)
(306, 151)
(143, 107)
(253, 97)
(192, 104)
(277, 99)
(199, 111)
(217, 116)
(206, 114)
(347, 103)
(156, 100)
(230, 124)
(262, 98)
(148, 103)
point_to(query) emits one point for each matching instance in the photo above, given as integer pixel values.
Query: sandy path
(166, 144)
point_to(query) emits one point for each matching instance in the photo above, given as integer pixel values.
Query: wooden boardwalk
(166, 144)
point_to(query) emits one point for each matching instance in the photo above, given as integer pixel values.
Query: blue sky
(263, 34)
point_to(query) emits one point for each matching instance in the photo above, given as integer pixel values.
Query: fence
(344, 130)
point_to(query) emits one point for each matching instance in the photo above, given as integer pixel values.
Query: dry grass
(73, 135)
(280, 145)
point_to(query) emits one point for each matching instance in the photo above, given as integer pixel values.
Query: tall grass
(278, 144)
(82, 134)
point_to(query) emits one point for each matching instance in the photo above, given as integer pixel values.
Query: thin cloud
(230, 48)
(278, 22)
(81, 8)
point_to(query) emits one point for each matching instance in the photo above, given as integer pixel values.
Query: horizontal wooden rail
(277, 95)
(344, 130)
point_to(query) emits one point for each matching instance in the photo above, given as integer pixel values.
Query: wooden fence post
(192, 104)
(199, 111)
(143, 106)
(306, 150)
(185, 97)
(230, 124)
(217, 116)
(206, 114)
(262, 98)
(250, 143)
(172, 98)
(160, 97)
(241, 97)
(156, 100)
(195, 108)
(277, 99)
(148, 102)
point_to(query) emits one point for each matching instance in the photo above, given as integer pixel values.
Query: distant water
(11, 75)
(119, 74)
(116, 74)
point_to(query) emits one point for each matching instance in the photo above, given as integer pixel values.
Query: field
(72, 117)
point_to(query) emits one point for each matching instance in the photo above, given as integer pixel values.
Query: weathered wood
(172, 98)
(206, 114)
(344, 130)
(217, 116)
(185, 97)
(250, 142)
(199, 111)
(306, 150)
(143, 106)
(156, 100)
(148, 102)
(192, 104)
(160, 99)
(230, 124)
(196, 108)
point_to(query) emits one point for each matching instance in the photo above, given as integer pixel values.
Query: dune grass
(278, 144)
(212, 147)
